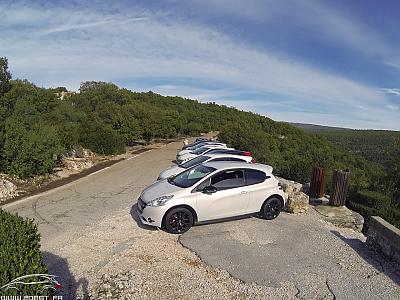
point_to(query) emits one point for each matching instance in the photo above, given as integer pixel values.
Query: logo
(48, 281)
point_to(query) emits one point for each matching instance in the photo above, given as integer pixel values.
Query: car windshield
(191, 176)
(200, 150)
(194, 147)
(194, 162)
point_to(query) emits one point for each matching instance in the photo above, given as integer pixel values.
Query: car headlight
(160, 200)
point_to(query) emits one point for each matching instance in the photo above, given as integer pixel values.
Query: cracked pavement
(321, 260)
(89, 227)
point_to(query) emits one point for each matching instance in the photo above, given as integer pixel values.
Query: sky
(332, 62)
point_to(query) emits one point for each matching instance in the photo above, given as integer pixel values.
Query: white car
(211, 191)
(176, 169)
(209, 145)
(200, 151)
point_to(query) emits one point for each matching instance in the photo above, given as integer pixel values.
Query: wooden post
(317, 184)
(340, 183)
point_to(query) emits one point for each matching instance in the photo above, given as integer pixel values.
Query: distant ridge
(313, 127)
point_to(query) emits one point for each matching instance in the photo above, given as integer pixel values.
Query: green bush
(100, 138)
(370, 203)
(31, 152)
(372, 199)
(19, 253)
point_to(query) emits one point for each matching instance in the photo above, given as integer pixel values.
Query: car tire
(271, 208)
(178, 220)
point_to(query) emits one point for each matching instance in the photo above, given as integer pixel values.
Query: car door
(258, 188)
(230, 199)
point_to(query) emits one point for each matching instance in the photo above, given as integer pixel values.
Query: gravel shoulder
(92, 239)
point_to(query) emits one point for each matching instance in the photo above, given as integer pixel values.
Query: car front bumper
(150, 215)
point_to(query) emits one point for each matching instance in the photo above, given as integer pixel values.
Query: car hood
(187, 156)
(182, 152)
(171, 171)
(158, 189)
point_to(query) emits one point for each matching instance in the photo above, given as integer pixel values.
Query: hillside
(373, 145)
(317, 128)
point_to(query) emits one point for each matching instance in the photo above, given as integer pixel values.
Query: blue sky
(324, 62)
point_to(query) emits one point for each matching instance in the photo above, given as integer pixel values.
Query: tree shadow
(380, 263)
(135, 216)
(70, 286)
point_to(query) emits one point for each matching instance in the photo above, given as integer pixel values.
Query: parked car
(230, 151)
(202, 144)
(202, 139)
(202, 150)
(196, 143)
(209, 145)
(211, 191)
(176, 169)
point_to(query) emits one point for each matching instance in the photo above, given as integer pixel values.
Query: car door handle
(243, 192)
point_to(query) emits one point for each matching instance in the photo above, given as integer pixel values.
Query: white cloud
(392, 91)
(132, 47)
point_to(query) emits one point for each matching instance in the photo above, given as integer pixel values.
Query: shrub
(19, 253)
(100, 138)
(369, 203)
(33, 152)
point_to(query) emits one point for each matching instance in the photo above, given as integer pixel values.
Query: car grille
(141, 205)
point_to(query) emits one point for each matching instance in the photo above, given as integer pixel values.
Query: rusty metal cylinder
(340, 184)
(317, 184)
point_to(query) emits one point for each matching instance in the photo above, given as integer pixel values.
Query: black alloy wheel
(178, 220)
(271, 208)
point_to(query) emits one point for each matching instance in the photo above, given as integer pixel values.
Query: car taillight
(247, 153)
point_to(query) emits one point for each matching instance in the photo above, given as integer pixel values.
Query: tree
(5, 76)
(394, 170)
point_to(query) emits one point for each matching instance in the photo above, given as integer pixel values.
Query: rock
(297, 203)
(290, 186)
(341, 216)
(77, 164)
(7, 189)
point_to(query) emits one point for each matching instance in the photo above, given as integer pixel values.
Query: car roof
(218, 155)
(221, 165)
(230, 151)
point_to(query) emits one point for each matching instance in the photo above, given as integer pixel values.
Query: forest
(373, 145)
(37, 128)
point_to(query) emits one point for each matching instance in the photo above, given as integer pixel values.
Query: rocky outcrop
(77, 164)
(7, 189)
(340, 216)
(297, 201)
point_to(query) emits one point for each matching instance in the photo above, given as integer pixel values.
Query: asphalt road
(89, 227)
(68, 216)
(323, 261)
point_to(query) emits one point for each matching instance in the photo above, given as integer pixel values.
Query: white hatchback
(211, 191)
(176, 169)
(200, 151)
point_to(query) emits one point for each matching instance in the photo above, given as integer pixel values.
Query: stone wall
(384, 237)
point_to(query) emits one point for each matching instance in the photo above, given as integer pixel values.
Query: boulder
(290, 186)
(297, 203)
(77, 164)
(7, 189)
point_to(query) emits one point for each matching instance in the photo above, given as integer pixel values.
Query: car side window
(202, 185)
(255, 176)
(228, 179)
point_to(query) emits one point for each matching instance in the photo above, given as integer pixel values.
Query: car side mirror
(209, 190)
